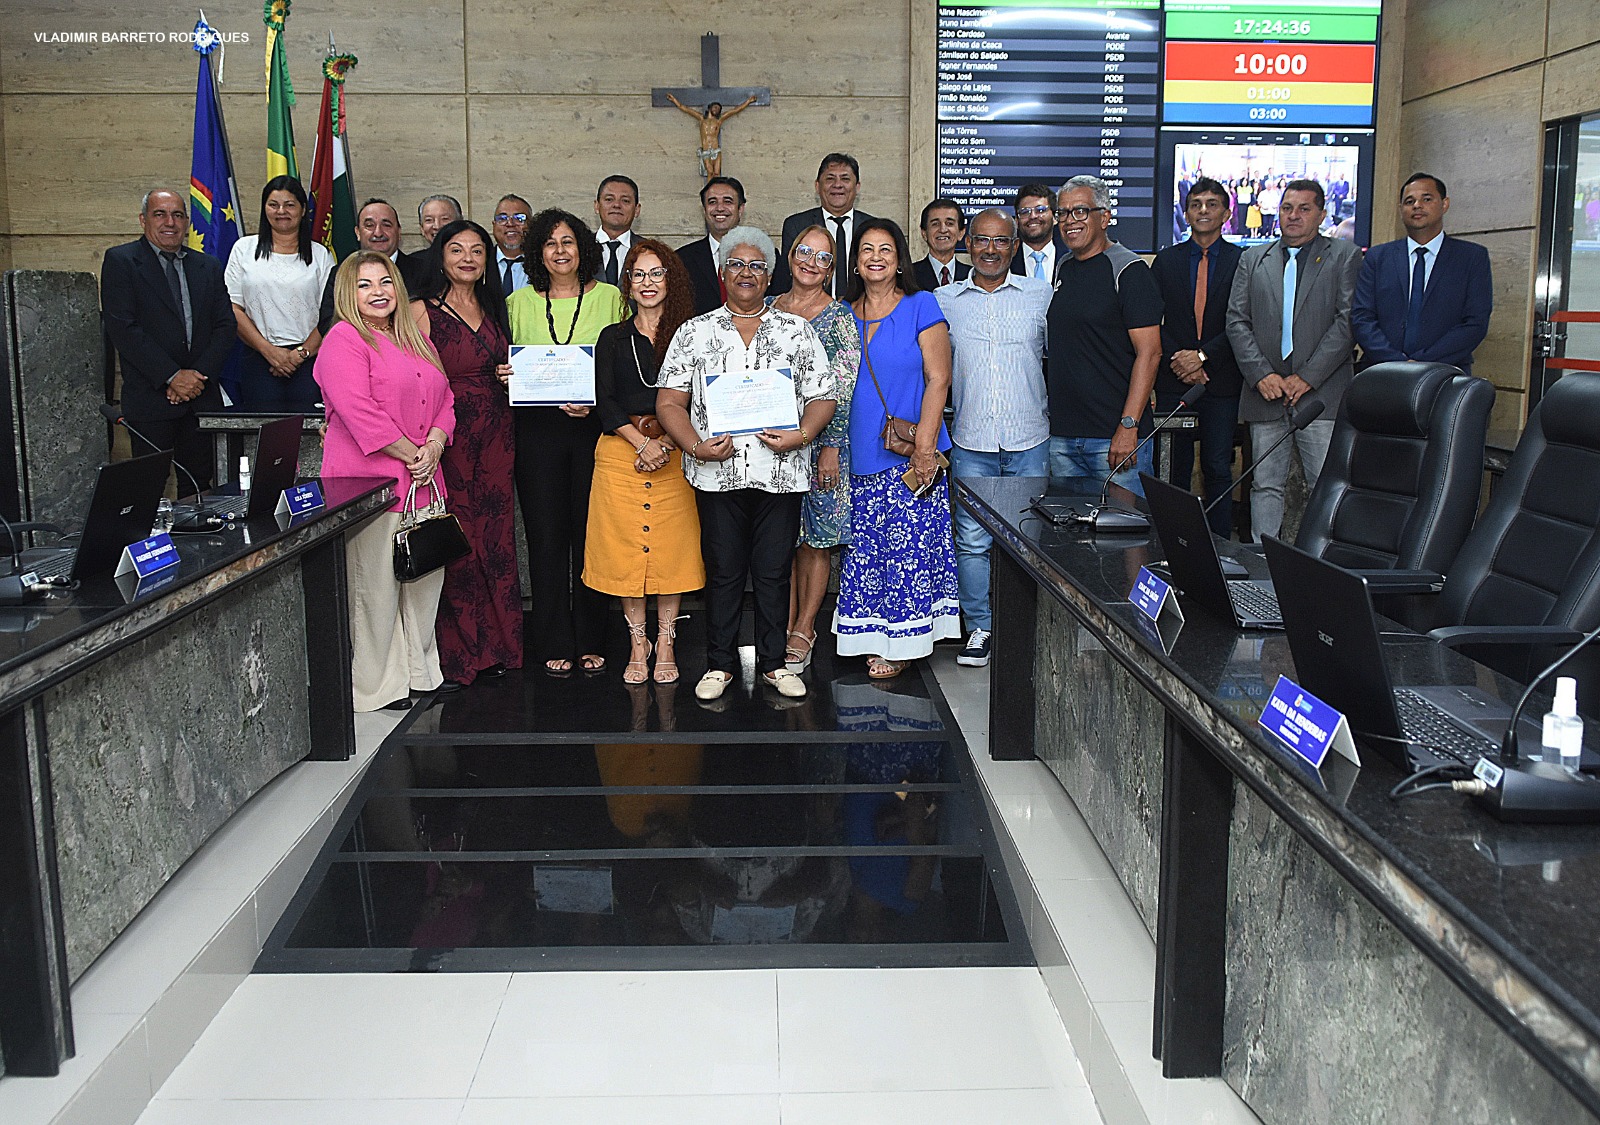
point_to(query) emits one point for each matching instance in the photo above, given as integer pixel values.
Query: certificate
(552, 374)
(747, 402)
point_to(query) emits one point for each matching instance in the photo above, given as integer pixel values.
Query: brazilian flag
(280, 95)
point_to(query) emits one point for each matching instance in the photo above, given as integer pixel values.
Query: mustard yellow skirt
(644, 529)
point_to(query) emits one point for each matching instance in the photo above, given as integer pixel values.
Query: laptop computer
(1338, 657)
(276, 464)
(1180, 520)
(121, 510)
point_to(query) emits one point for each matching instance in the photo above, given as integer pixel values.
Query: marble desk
(1334, 955)
(233, 435)
(135, 722)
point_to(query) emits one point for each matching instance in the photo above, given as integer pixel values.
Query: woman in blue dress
(897, 591)
(825, 511)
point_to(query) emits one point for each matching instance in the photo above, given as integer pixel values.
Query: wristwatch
(1129, 422)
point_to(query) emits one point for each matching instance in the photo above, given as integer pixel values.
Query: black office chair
(1525, 585)
(1404, 470)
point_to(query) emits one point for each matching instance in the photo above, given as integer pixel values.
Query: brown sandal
(880, 669)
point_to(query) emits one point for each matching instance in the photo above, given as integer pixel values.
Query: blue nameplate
(298, 499)
(148, 556)
(1307, 725)
(1157, 603)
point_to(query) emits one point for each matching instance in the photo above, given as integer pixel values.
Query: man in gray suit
(1289, 324)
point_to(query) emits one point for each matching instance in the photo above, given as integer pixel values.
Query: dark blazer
(703, 272)
(927, 279)
(792, 226)
(411, 266)
(1455, 307)
(1178, 333)
(145, 325)
(1019, 260)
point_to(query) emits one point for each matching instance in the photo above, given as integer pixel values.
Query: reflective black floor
(539, 822)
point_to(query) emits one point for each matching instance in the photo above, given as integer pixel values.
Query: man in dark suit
(1195, 277)
(838, 184)
(722, 201)
(1041, 251)
(378, 230)
(167, 312)
(943, 225)
(1289, 323)
(1445, 317)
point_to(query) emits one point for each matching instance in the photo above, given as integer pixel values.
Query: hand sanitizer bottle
(244, 475)
(1563, 730)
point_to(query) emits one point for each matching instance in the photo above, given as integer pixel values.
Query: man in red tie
(943, 226)
(1195, 278)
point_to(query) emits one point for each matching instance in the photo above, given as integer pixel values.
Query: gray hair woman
(747, 486)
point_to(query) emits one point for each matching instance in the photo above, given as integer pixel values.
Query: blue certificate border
(787, 373)
(515, 348)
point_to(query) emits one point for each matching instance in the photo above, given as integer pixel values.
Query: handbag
(899, 434)
(427, 539)
(647, 424)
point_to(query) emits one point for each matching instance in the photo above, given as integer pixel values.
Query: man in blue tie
(1040, 250)
(1289, 324)
(1426, 296)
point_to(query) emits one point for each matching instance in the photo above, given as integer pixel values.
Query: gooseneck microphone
(1298, 420)
(197, 520)
(1103, 517)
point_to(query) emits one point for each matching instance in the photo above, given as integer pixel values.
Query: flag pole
(227, 144)
(344, 136)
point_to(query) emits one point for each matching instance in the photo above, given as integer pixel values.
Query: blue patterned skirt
(897, 589)
(825, 513)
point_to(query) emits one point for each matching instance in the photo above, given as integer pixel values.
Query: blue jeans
(1086, 457)
(972, 542)
(1218, 416)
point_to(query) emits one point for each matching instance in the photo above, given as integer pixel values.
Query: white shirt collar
(1431, 246)
(971, 282)
(626, 237)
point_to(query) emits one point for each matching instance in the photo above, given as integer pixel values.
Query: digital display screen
(1042, 90)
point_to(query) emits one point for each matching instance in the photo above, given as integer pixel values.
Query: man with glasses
(1289, 323)
(1104, 344)
(722, 202)
(1002, 423)
(511, 217)
(1195, 278)
(943, 224)
(838, 184)
(1041, 250)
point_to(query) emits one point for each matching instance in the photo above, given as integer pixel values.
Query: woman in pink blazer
(390, 414)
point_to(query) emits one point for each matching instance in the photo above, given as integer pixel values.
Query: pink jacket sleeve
(445, 418)
(344, 371)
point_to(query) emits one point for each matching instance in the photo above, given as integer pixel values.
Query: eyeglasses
(648, 275)
(517, 217)
(737, 265)
(1041, 210)
(1079, 213)
(822, 258)
(983, 242)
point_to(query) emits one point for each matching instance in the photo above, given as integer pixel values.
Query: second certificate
(552, 374)
(747, 402)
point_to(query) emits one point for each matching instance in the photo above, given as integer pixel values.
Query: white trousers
(392, 648)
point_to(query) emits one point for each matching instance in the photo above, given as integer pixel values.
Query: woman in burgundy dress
(464, 314)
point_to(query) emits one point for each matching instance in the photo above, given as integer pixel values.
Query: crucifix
(711, 95)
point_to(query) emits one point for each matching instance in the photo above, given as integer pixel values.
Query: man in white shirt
(722, 201)
(616, 202)
(511, 217)
(838, 184)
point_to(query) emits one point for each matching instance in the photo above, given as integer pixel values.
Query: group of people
(1053, 340)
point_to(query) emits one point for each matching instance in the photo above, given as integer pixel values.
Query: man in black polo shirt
(1104, 343)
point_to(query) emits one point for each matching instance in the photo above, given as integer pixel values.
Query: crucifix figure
(712, 96)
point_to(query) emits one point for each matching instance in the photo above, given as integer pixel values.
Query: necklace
(550, 319)
(747, 316)
(383, 326)
(820, 303)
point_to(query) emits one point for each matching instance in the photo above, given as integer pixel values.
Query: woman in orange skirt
(644, 530)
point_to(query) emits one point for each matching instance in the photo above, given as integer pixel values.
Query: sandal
(560, 666)
(629, 675)
(592, 662)
(795, 658)
(880, 669)
(667, 670)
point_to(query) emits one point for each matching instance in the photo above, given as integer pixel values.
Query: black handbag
(427, 539)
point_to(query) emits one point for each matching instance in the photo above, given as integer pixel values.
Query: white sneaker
(712, 685)
(785, 683)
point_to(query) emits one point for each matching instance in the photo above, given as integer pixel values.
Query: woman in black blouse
(644, 532)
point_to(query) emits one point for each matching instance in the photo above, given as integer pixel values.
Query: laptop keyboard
(228, 507)
(1425, 723)
(55, 566)
(1254, 601)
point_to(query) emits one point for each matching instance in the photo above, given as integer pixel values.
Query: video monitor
(1254, 165)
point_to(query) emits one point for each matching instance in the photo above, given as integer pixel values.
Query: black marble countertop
(48, 640)
(1509, 911)
(227, 421)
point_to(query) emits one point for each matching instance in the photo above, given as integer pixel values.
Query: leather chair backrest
(1404, 469)
(1534, 556)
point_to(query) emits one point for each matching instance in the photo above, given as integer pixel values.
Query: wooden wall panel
(1572, 83)
(1572, 24)
(1504, 356)
(1449, 42)
(1484, 139)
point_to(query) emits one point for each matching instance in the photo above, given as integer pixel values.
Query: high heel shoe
(667, 670)
(794, 658)
(629, 675)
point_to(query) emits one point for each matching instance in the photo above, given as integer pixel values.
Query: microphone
(199, 519)
(1298, 420)
(1102, 517)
